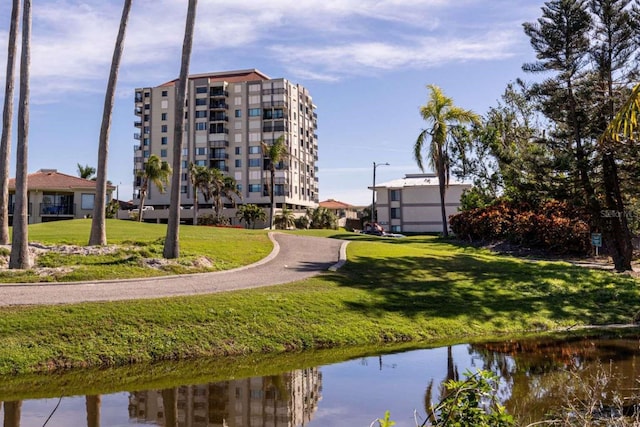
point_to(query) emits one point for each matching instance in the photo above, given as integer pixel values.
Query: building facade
(412, 204)
(228, 115)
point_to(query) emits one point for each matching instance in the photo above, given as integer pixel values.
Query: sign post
(596, 240)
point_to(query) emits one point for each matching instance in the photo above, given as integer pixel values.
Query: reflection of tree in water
(93, 404)
(538, 375)
(452, 374)
(12, 412)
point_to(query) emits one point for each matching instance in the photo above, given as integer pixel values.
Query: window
(255, 188)
(201, 101)
(238, 113)
(165, 93)
(145, 141)
(201, 114)
(164, 128)
(254, 112)
(395, 195)
(278, 190)
(201, 163)
(163, 116)
(395, 213)
(254, 163)
(145, 154)
(238, 150)
(201, 151)
(254, 149)
(146, 129)
(163, 153)
(183, 189)
(185, 164)
(238, 163)
(146, 118)
(201, 126)
(239, 187)
(396, 229)
(164, 140)
(185, 151)
(86, 201)
(202, 89)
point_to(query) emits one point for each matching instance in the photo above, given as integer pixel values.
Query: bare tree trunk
(7, 121)
(172, 240)
(143, 195)
(616, 226)
(271, 191)
(443, 189)
(12, 413)
(19, 258)
(92, 404)
(195, 205)
(98, 234)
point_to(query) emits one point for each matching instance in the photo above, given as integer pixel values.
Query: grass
(416, 290)
(224, 248)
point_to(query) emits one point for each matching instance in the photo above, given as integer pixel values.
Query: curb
(342, 257)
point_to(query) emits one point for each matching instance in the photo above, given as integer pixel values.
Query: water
(352, 393)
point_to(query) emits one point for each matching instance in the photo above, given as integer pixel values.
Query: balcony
(216, 92)
(219, 144)
(137, 111)
(216, 117)
(137, 124)
(137, 148)
(218, 105)
(138, 97)
(220, 156)
(49, 209)
(268, 127)
(218, 129)
(136, 136)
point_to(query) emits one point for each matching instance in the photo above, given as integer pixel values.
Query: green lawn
(417, 290)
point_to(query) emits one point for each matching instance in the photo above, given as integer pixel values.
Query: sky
(366, 64)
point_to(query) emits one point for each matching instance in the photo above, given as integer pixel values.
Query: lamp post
(373, 199)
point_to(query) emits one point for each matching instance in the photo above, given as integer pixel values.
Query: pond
(533, 379)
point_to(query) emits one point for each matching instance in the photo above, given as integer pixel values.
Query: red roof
(51, 179)
(227, 76)
(335, 204)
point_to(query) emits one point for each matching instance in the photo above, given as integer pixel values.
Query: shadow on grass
(484, 287)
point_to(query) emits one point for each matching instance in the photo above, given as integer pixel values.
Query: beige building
(54, 196)
(228, 115)
(412, 204)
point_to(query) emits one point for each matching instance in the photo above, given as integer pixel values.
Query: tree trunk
(92, 404)
(443, 190)
(12, 413)
(143, 195)
(170, 406)
(172, 240)
(7, 121)
(617, 228)
(271, 191)
(98, 234)
(195, 205)
(19, 258)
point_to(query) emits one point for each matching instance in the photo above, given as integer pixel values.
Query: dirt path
(293, 258)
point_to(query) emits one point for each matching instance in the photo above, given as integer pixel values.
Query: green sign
(596, 239)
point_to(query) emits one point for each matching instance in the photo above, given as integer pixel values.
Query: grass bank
(399, 290)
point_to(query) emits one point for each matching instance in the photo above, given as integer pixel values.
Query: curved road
(293, 258)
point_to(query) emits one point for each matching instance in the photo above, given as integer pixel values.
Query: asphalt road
(293, 258)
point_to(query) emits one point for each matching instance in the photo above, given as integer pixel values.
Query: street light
(373, 199)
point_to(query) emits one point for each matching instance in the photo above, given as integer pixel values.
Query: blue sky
(366, 64)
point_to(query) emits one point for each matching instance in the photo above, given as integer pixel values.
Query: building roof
(417, 180)
(51, 179)
(335, 204)
(227, 76)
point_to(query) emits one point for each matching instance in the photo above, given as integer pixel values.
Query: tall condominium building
(228, 115)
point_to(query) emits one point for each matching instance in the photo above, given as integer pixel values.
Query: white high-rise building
(228, 115)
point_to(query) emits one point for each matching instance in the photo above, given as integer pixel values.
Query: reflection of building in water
(288, 399)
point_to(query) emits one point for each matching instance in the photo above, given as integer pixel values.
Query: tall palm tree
(172, 240)
(155, 171)
(200, 177)
(222, 187)
(19, 258)
(86, 171)
(98, 235)
(440, 114)
(274, 154)
(7, 121)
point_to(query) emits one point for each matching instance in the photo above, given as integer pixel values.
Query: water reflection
(534, 377)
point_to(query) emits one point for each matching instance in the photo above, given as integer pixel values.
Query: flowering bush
(552, 225)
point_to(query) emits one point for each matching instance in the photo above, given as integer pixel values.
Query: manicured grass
(224, 248)
(417, 290)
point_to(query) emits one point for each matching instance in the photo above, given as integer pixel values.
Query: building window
(183, 189)
(185, 151)
(395, 195)
(254, 149)
(202, 89)
(238, 113)
(238, 151)
(201, 151)
(395, 213)
(201, 101)
(145, 141)
(255, 188)
(201, 163)
(201, 126)
(145, 154)
(254, 163)
(86, 201)
(164, 140)
(163, 116)
(185, 164)
(201, 114)
(239, 187)
(396, 229)
(163, 153)
(165, 93)
(146, 129)
(278, 190)
(238, 163)
(254, 112)
(163, 128)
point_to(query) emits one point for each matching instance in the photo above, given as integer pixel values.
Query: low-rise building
(342, 211)
(412, 204)
(54, 196)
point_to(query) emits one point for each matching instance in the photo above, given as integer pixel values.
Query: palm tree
(274, 154)
(98, 235)
(155, 171)
(93, 404)
(285, 219)
(86, 172)
(200, 177)
(7, 121)
(440, 113)
(222, 187)
(251, 213)
(19, 257)
(172, 240)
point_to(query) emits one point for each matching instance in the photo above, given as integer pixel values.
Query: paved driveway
(293, 258)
